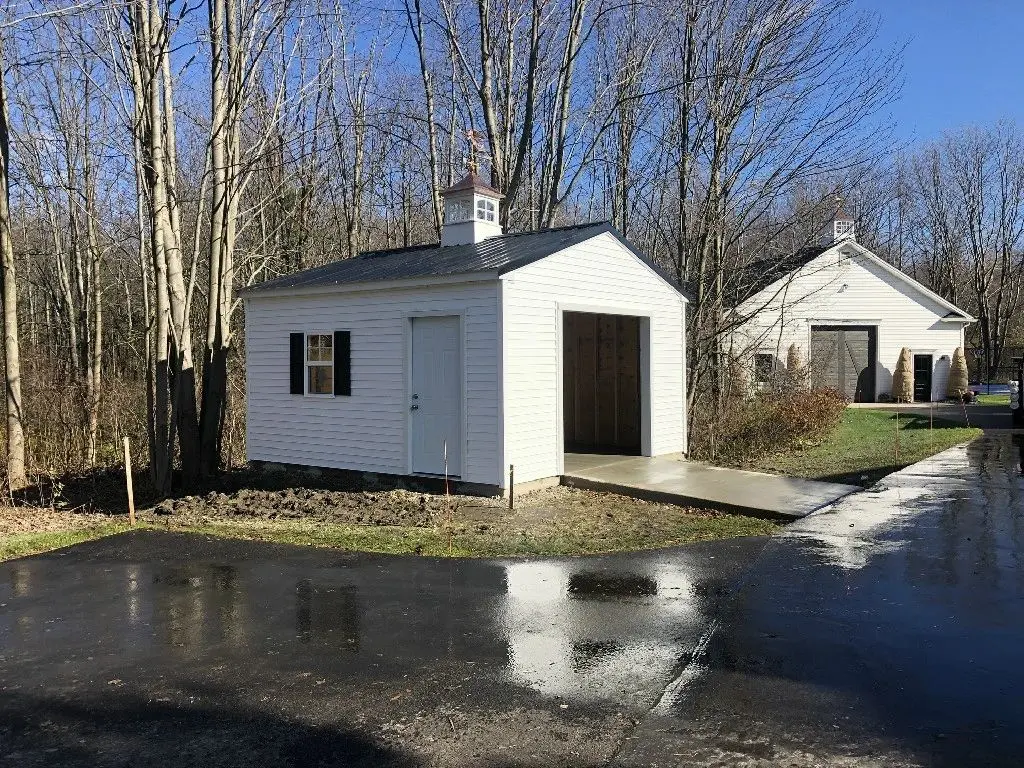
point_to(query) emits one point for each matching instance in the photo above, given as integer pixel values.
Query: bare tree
(16, 475)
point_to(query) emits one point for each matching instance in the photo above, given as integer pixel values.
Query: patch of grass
(984, 399)
(861, 450)
(650, 532)
(32, 543)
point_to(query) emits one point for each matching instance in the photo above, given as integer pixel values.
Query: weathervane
(476, 146)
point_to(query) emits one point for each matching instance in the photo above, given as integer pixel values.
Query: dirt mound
(391, 507)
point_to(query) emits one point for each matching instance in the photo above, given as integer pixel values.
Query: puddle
(592, 629)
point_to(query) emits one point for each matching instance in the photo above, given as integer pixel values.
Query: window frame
(486, 207)
(307, 364)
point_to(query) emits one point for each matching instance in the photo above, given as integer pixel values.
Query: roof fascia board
(372, 285)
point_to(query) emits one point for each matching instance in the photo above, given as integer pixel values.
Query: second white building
(850, 313)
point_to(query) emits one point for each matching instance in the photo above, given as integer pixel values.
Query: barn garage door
(843, 358)
(601, 378)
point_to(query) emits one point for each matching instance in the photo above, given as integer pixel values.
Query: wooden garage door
(601, 377)
(843, 358)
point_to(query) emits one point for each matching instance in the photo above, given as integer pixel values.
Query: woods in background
(164, 154)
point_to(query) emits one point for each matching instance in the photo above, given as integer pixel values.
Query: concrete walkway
(683, 482)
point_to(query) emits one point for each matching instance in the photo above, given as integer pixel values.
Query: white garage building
(484, 351)
(850, 313)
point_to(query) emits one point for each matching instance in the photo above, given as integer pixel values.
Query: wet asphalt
(155, 648)
(888, 630)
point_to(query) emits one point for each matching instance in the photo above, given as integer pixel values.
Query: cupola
(470, 211)
(843, 227)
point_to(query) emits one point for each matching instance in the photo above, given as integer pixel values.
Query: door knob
(414, 408)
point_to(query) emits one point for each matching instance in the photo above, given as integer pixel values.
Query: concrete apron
(677, 481)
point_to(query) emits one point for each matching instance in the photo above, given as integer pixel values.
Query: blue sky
(964, 63)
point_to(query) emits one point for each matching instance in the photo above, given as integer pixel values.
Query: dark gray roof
(498, 254)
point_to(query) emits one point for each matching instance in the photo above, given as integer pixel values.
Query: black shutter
(298, 362)
(342, 363)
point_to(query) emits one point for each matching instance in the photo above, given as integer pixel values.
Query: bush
(796, 370)
(903, 378)
(770, 422)
(956, 384)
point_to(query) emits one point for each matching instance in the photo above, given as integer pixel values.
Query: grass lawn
(861, 450)
(494, 541)
(984, 399)
(33, 542)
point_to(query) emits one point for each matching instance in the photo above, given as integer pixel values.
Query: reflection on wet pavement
(575, 632)
(602, 629)
(887, 630)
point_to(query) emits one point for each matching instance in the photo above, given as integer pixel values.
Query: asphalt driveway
(887, 630)
(157, 649)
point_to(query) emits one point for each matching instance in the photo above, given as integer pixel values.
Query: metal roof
(474, 182)
(500, 254)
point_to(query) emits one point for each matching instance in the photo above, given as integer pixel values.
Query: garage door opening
(601, 398)
(844, 357)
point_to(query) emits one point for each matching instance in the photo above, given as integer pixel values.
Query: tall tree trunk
(16, 477)
(225, 161)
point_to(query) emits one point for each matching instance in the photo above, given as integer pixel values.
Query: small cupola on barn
(471, 206)
(470, 211)
(843, 226)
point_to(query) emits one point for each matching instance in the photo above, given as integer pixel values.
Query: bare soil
(29, 519)
(558, 520)
(365, 513)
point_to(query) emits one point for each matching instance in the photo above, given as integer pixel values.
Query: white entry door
(436, 397)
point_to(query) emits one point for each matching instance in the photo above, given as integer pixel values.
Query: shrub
(903, 378)
(770, 422)
(956, 384)
(796, 370)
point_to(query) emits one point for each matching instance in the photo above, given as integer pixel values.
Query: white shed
(850, 313)
(464, 358)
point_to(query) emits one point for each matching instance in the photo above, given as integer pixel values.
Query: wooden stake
(447, 498)
(511, 486)
(897, 436)
(128, 482)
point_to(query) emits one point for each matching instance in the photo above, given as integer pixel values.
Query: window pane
(764, 367)
(318, 347)
(321, 379)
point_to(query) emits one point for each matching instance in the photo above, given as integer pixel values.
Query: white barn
(487, 350)
(850, 313)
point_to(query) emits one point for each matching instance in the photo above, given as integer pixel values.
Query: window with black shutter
(321, 363)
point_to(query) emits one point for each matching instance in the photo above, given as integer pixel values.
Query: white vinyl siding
(598, 275)
(369, 430)
(851, 291)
